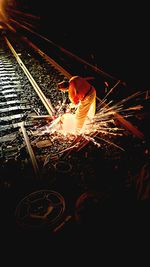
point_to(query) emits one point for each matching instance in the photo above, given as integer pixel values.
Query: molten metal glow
(68, 124)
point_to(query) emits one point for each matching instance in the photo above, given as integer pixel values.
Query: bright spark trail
(101, 129)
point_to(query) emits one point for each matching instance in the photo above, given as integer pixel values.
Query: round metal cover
(40, 208)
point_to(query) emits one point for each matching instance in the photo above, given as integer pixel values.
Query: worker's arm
(73, 95)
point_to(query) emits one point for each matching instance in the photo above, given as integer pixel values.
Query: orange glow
(68, 123)
(2, 12)
(1, 5)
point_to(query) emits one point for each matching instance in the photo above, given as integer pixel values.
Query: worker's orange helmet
(63, 86)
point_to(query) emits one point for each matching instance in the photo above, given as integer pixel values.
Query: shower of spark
(99, 130)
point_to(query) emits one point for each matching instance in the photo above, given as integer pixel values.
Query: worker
(82, 94)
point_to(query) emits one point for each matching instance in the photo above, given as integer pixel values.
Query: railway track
(28, 93)
(29, 150)
(29, 90)
(25, 136)
(21, 100)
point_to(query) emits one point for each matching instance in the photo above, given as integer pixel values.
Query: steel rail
(39, 92)
(48, 58)
(30, 150)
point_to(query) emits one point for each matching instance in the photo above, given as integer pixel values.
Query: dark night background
(112, 36)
